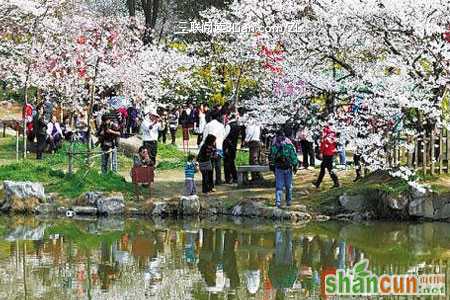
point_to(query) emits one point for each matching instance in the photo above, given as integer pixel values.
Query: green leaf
(363, 274)
(361, 266)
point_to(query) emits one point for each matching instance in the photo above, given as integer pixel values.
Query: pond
(203, 259)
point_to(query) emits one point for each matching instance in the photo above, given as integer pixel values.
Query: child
(190, 169)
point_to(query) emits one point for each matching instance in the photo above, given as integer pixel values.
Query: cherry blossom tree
(372, 67)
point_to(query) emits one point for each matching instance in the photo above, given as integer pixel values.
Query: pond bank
(378, 197)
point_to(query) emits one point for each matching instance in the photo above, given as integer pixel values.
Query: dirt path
(170, 184)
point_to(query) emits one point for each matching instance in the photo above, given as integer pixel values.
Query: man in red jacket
(327, 151)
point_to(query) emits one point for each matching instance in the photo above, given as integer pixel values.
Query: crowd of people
(219, 129)
(219, 132)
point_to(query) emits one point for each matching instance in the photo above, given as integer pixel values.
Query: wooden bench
(242, 172)
(144, 175)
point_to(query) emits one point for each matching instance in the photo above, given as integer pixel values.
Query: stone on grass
(298, 207)
(22, 196)
(92, 198)
(299, 216)
(23, 190)
(190, 205)
(160, 209)
(112, 205)
(61, 210)
(85, 210)
(248, 208)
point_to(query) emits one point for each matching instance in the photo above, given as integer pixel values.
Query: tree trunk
(236, 92)
(151, 9)
(91, 105)
(131, 4)
(25, 124)
(155, 13)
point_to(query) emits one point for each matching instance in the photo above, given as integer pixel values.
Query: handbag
(205, 165)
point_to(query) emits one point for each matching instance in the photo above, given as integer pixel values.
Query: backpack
(282, 160)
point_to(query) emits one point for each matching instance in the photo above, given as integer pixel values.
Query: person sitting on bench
(142, 159)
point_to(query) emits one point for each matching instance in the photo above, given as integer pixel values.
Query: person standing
(200, 126)
(150, 130)
(232, 131)
(327, 151)
(357, 156)
(190, 168)
(164, 128)
(108, 134)
(206, 157)
(253, 140)
(216, 128)
(132, 122)
(48, 109)
(40, 131)
(187, 122)
(284, 162)
(307, 146)
(173, 125)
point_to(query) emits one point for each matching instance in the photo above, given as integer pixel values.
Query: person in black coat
(40, 130)
(230, 149)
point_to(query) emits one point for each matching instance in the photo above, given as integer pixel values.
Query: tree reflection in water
(203, 260)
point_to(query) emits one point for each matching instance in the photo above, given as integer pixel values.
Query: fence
(16, 126)
(78, 159)
(429, 154)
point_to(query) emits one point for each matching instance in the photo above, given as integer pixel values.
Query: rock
(399, 202)
(303, 193)
(298, 207)
(321, 218)
(248, 208)
(212, 207)
(160, 209)
(418, 193)
(91, 198)
(190, 205)
(85, 210)
(299, 216)
(134, 211)
(23, 190)
(281, 214)
(61, 210)
(22, 196)
(356, 203)
(421, 207)
(44, 209)
(443, 213)
(112, 205)
(20, 205)
(50, 198)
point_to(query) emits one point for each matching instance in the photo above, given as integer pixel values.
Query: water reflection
(145, 259)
